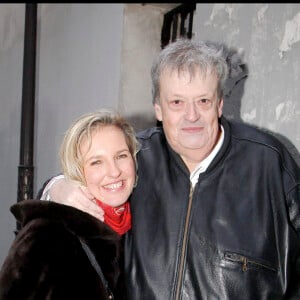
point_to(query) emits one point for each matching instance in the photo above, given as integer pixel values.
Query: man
(216, 208)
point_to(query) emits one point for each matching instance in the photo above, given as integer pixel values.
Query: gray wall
(94, 55)
(78, 70)
(11, 59)
(264, 42)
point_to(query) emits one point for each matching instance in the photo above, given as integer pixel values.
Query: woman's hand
(67, 192)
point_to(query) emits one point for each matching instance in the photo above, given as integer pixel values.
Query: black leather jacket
(236, 235)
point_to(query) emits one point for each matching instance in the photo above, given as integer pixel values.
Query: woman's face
(108, 166)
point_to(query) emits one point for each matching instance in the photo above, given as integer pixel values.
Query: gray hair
(190, 55)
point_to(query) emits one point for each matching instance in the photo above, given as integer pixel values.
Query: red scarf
(118, 218)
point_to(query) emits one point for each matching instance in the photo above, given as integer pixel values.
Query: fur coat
(47, 261)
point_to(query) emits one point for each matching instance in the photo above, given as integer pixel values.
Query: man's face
(189, 109)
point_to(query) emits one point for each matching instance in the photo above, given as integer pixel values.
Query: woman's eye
(123, 155)
(96, 162)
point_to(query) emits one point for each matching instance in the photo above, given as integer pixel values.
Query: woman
(62, 252)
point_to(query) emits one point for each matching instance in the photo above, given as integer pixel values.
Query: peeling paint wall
(291, 35)
(264, 41)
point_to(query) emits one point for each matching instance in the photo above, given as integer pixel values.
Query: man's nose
(191, 113)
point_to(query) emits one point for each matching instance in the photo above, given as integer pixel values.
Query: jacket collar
(81, 223)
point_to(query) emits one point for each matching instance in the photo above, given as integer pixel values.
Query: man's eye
(176, 102)
(205, 102)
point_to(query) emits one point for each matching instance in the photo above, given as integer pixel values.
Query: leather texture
(236, 235)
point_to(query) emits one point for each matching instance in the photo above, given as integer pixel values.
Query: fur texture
(46, 260)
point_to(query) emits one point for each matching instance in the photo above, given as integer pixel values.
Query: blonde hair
(70, 155)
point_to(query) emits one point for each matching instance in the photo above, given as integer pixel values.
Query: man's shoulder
(153, 143)
(148, 133)
(253, 133)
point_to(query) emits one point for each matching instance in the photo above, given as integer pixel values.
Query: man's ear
(157, 109)
(220, 107)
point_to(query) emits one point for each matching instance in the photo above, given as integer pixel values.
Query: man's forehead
(190, 70)
(187, 72)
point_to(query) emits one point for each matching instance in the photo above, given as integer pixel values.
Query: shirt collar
(203, 165)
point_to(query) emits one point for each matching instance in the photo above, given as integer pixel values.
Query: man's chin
(192, 143)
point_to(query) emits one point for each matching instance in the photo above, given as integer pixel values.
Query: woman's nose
(113, 169)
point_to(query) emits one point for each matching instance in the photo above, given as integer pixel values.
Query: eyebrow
(100, 156)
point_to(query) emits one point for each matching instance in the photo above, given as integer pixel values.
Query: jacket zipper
(245, 261)
(184, 245)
